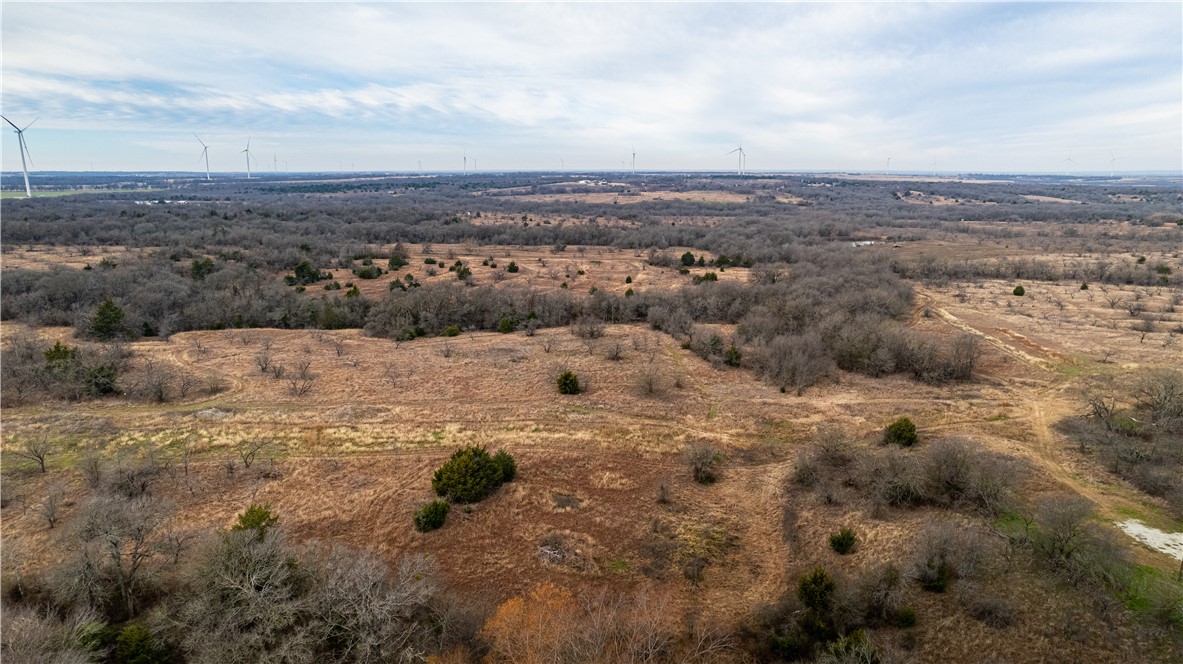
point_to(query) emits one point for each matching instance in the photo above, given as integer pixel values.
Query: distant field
(41, 194)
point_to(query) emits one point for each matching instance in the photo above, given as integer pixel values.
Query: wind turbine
(889, 165)
(1113, 163)
(204, 154)
(741, 159)
(466, 161)
(247, 152)
(1071, 162)
(634, 160)
(24, 148)
(474, 164)
(274, 162)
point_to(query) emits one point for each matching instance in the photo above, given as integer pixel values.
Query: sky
(954, 87)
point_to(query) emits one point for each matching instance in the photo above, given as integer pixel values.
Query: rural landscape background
(839, 333)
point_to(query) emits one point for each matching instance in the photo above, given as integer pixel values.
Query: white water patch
(1169, 543)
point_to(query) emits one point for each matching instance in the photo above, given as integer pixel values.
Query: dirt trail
(1045, 405)
(994, 341)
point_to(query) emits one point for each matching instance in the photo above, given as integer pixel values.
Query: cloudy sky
(950, 87)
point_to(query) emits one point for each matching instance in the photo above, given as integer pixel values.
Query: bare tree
(133, 476)
(300, 386)
(263, 360)
(390, 373)
(174, 542)
(36, 451)
(33, 635)
(1160, 394)
(157, 378)
(1102, 408)
(118, 538)
(214, 384)
(615, 351)
(92, 468)
(185, 382)
(588, 327)
(650, 380)
(963, 355)
(302, 368)
(49, 506)
(301, 382)
(249, 449)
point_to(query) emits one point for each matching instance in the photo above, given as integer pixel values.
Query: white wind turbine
(1113, 163)
(889, 165)
(742, 159)
(634, 159)
(24, 148)
(247, 152)
(1069, 161)
(204, 154)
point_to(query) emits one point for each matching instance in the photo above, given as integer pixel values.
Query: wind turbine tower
(741, 159)
(1070, 162)
(24, 148)
(634, 160)
(1113, 164)
(889, 165)
(247, 152)
(204, 154)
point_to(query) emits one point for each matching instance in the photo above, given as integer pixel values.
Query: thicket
(1136, 431)
(949, 472)
(134, 588)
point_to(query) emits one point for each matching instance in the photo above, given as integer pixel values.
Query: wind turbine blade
(10, 122)
(734, 151)
(32, 123)
(199, 139)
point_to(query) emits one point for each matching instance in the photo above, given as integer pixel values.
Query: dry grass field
(352, 458)
(540, 269)
(43, 257)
